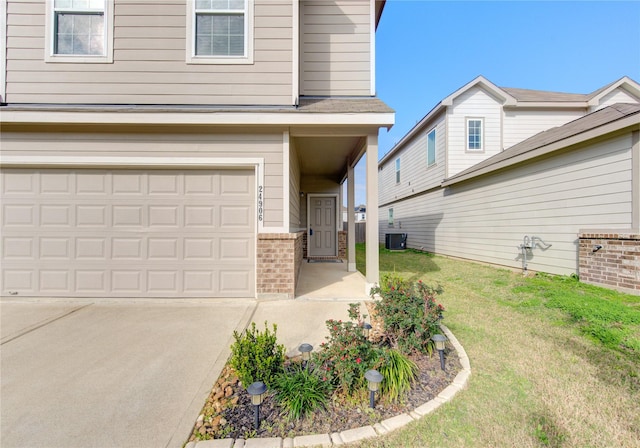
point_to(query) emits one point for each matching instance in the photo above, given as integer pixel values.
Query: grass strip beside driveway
(555, 362)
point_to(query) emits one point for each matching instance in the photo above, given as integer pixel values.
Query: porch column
(351, 224)
(373, 268)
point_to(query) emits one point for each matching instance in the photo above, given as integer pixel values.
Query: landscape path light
(440, 339)
(257, 390)
(367, 329)
(305, 349)
(374, 378)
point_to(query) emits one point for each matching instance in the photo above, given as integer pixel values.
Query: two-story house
(489, 166)
(182, 148)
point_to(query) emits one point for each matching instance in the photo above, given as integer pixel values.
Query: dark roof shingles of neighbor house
(591, 121)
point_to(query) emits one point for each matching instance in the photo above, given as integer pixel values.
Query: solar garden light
(257, 390)
(374, 378)
(440, 339)
(305, 349)
(367, 329)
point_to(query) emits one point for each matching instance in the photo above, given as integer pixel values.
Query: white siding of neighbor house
(155, 144)
(616, 96)
(295, 220)
(149, 60)
(473, 103)
(335, 47)
(486, 219)
(415, 175)
(520, 124)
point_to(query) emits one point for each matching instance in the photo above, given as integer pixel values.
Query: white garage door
(127, 233)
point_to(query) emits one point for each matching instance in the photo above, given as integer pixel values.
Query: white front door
(322, 227)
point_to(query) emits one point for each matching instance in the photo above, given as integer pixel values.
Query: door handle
(310, 232)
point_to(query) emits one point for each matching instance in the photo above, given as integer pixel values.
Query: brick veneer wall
(616, 265)
(279, 257)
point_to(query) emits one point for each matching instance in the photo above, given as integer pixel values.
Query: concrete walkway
(127, 373)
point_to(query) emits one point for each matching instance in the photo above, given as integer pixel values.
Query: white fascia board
(197, 118)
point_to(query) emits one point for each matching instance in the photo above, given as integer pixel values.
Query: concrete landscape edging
(363, 432)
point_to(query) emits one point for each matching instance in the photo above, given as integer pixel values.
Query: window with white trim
(398, 170)
(431, 148)
(80, 31)
(390, 217)
(475, 128)
(220, 31)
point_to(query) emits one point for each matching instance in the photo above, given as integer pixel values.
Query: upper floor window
(80, 31)
(398, 170)
(220, 31)
(475, 134)
(431, 148)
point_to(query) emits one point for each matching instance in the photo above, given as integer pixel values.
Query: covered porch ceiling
(329, 157)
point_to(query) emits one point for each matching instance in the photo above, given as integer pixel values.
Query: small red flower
(358, 360)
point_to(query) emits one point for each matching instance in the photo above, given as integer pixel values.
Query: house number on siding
(260, 203)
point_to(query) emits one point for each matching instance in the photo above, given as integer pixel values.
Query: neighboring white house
(572, 163)
(186, 148)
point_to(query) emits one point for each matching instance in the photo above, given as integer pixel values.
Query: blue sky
(429, 49)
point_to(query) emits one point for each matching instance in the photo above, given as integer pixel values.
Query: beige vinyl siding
(149, 60)
(520, 124)
(335, 46)
(617, 96)
(156, 144)
(295, 220)
(474, 103)
(415, 175)
(486, 219)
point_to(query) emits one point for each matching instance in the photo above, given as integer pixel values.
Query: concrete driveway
(110, 373)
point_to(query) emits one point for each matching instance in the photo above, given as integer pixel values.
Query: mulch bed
(228, 411)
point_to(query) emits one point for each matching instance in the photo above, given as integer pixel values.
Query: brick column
(279, 257)
(610, 259)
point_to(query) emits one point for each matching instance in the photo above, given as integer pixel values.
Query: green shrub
(256, 356)
(347, 354)
(300, 391)
(399, 373)
(410, 314)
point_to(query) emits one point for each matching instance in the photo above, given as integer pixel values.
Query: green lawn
(554, 362)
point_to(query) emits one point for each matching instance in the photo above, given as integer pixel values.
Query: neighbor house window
(220, 31)
(398, 170)
(390, 217)
(431, 148)
(474, 134)
(80, 31)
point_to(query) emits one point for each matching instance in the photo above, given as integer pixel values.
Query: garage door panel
(19, 280)
(55, 248)
(18, 215)
(55, 184)
(199, 249)
(18, 248)
(91, 215)
(91, 182)
(91, 281)
(100, 233)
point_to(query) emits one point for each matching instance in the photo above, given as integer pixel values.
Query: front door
(322, 227)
